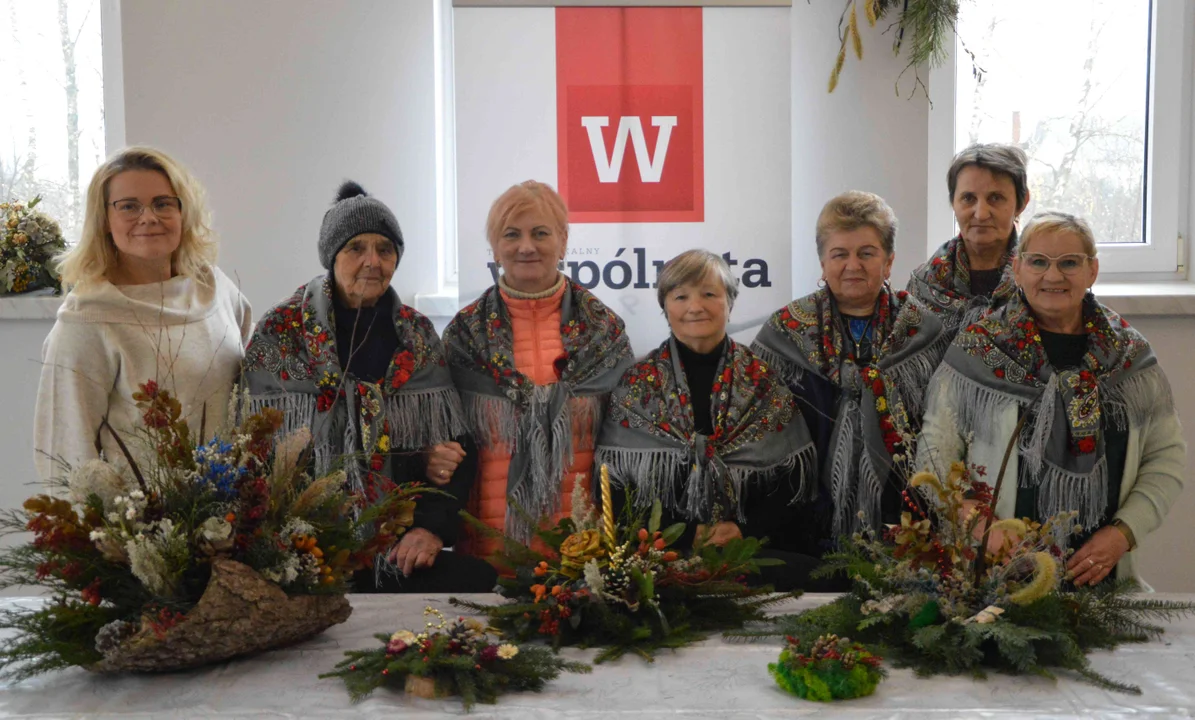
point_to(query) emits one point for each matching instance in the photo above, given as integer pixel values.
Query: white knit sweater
(187, 335)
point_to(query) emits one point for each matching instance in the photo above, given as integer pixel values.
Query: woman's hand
(720, 534)
(417, 549)
(442, 461)
(1098, 556)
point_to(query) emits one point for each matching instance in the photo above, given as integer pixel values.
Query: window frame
(1168, 145)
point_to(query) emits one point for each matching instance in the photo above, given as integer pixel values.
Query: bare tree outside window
(51, 105)
(1068, 81)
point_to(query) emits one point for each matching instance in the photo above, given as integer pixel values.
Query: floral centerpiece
(197, 554)
(29, 240)
(933, 594)
(458, 658)
(829, 668)
(621, 587)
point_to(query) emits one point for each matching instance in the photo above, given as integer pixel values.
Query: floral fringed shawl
(649, 438)
(538, 424)
(292, 364)
(1001, 359)
(943, 284)
(881, 402)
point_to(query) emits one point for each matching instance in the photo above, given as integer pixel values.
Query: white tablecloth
(713, 679)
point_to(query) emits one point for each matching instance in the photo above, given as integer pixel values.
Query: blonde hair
(1055, 221)
(692, 266)
(95, 253)
(855, 209)
(526, 196)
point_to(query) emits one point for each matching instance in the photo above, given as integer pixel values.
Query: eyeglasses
(165, 208)
(1068, 264)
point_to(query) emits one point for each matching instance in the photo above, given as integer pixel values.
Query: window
(1091, 90)
(52, 112)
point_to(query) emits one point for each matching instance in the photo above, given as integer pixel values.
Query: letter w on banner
(629, 114)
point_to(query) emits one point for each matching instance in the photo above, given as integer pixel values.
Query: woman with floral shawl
(346, 358)
(858, 357)
(706, 428)
(533, 358)
(1099, 434)
(989, 189)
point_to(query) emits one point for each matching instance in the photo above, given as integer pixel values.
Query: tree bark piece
(240, 613)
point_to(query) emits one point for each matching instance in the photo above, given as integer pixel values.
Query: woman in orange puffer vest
(534, 359)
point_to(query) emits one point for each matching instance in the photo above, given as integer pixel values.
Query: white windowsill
(30, 307)
(1148, 298)
(442, 305)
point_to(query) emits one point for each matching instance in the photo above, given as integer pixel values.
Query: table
(713, 679)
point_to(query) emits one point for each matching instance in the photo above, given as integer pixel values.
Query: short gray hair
(1007, 160)
(692, 266)
(855, 209)
(1056, 221)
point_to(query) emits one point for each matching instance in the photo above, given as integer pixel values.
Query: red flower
(1086, 445)
(666, 427)
(999, 372)
(375, 462)
(625, 424)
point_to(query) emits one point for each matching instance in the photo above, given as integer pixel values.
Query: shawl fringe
(915, 371)
(425, 418)
(651, 473)
(786, 370)
(499, 425)
(975, 407)
(1061, 491)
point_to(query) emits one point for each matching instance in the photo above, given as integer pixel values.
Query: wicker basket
(240, 613)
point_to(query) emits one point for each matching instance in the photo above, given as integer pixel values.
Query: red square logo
(629, 114)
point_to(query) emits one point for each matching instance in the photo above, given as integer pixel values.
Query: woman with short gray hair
(706, 428)
(858, 357)
(989, 189)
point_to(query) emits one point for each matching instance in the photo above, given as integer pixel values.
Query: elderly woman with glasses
(346, 358)
(706, 428)
(858, 357)
(1100, 434)
(989, 189)
(146, 303)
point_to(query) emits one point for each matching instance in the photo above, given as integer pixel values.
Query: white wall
(272, 103)
(860, 137)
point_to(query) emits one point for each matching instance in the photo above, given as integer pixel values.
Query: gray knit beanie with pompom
(355, 213)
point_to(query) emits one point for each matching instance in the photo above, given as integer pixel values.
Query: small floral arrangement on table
(621, 587)
(829, 668)
(29, 240)
(931, 596)
(457, 658)
(198, 553)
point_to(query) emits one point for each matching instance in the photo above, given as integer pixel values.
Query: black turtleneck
(366, 339)
(700, 369)
(985, 282)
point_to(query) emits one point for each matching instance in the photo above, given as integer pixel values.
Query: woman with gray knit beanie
(346, 358)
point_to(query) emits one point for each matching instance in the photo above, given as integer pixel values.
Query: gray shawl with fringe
(1000, 359)
(943, 285)
(880, 402)
(291, 364)
(540, 425)
(649, 438)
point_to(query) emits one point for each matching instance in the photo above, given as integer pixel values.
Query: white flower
(131, 513)
(136, 495)
(506, 652)
(113, 517)
(215, 529)
(405, 636)
(987, 615)
(96, 477)
(97, 535)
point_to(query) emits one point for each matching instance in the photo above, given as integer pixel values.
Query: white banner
(697, 103)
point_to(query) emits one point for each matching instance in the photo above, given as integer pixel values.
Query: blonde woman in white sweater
(146, 303)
